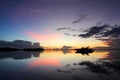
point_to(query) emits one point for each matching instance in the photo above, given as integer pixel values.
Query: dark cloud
(103, 31)
(63, 28)
(96, 30)
(19, 44)
(114, 32)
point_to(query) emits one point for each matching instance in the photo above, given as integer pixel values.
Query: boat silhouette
(83, 50)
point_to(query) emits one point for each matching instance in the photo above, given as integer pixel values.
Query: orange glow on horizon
(75, 44)
(58, 41)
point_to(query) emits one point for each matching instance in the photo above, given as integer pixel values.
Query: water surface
(59, 65)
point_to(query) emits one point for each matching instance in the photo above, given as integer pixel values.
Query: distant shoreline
(5, 49)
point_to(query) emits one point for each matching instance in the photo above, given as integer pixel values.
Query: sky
(55, 23)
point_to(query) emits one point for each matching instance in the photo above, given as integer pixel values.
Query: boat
(83, 50)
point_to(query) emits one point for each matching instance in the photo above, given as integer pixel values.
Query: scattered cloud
(40, 11)
(98, 23)
(63, 28)
(74, 35)
(80, 17)
(67, 34)
(67, 28)
(73, 30)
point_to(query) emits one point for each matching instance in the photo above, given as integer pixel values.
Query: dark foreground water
(58, 65)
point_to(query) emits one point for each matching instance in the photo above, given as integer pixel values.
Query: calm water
(59, 65)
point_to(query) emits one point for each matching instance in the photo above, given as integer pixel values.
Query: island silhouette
(20, 45)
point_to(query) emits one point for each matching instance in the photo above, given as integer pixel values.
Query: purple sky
(38, 20)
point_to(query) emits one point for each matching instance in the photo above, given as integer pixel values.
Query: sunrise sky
(55, 23)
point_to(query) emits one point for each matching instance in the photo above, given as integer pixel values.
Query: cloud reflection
(44, 62)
